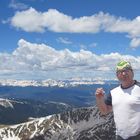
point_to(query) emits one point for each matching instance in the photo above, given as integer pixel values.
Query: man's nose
(124, 73)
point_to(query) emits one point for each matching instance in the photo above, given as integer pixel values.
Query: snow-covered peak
(50, 82)
(6, 103)
(82, 123)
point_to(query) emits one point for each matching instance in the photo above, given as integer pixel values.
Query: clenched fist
(99, 93)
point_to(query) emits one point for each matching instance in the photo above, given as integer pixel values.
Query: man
(124, 101)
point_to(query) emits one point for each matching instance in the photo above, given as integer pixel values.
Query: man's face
(125, 75)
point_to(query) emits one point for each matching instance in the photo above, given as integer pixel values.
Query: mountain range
(52, 82)
(78, 124)
(53, 113)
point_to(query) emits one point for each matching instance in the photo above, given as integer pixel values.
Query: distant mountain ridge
(51, 82)
(18, 111)
(76, 96)
(77, 124)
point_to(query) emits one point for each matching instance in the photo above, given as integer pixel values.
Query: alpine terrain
(77, 124)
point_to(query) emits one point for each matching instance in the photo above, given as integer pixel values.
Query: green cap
(123, 65)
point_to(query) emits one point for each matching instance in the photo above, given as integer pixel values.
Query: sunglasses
(123, 70)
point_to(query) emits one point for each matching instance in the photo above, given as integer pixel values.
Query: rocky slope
(18, 111)
(78, 124)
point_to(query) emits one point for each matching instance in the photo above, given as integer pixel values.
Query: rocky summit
(77, 124)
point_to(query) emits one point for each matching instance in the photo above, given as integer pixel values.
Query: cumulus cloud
(29, 20)
(45, 61)
(32, 20)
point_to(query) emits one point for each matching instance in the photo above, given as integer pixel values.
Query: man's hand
(99, 93)
(104, 109)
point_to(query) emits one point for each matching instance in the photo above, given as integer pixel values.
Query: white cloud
(64, 40)
(135, 42)
(89, 46)
(65, 23)
(44, 61)
(33, 21)
(29, 20)
(17, 5)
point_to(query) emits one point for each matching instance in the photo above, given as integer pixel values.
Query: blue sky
(60, 39)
